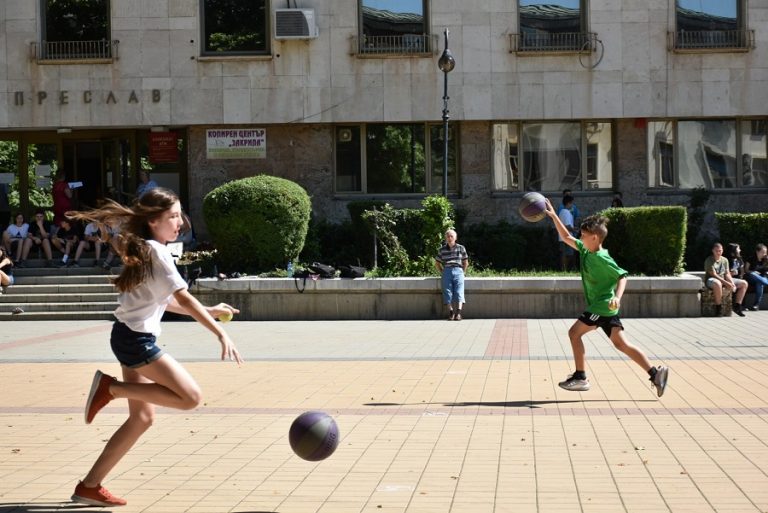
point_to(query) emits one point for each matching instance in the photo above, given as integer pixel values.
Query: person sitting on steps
(39, 235)
(6, 275)
(66, 238)
(91, 237)
(13, 237)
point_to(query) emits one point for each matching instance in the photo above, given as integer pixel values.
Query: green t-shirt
(718, 266)
(599, 275)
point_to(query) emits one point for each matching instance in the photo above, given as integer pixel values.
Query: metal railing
(102, 50)
(561, 42)
(404, 44)
(717, 40)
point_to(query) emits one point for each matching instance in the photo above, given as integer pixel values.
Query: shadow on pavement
(44, 507)
(509, 404)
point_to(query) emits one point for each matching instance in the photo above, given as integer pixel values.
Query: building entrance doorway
(99, 164)
(82, 161)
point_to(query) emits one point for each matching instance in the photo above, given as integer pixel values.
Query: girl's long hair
(132, 225)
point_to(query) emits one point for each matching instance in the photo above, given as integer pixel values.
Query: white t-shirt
(18, 232)
(142, 308)
(92, 230)
(567, 218)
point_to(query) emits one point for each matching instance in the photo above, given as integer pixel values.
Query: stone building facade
(626, 104)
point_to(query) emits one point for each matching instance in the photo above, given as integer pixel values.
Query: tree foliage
(39, 194)
(76, 20)
(410, 238)
(235, 25)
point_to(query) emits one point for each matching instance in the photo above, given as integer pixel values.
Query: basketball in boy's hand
(533, 207)
(314, 435)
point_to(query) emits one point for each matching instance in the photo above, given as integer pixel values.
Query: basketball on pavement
(314, 435)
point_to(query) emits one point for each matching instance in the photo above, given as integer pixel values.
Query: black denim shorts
(133, 349)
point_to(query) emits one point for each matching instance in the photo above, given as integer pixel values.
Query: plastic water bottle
(289, 269)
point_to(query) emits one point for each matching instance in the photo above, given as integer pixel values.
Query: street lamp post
(446, 63)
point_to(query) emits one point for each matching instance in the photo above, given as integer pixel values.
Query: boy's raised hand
(550, 209)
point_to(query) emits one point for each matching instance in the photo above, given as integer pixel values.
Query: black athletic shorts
(607, 323)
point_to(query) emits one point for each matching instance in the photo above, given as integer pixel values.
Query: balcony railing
(712, 40)
(404, 44)
(559, 42)
(103, 50)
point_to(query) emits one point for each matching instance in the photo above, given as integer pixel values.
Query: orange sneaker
(99, 396)
(96, 496)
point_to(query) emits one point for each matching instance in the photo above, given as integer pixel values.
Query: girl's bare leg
(140, 417)
(163, 382)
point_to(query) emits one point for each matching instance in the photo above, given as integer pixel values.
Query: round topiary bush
(257, 223)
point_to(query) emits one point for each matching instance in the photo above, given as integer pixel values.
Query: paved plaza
(435, 417)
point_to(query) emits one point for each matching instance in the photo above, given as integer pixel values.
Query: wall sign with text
(163, 147)
(244, 143)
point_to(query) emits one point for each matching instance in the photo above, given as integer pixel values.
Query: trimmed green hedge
(504, 246)
(647, 240)
(257, 223)
(747, 230)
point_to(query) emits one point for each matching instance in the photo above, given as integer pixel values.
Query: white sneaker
(575, 385)
(660, 379)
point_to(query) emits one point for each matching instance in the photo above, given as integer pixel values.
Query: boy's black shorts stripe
(607, 323)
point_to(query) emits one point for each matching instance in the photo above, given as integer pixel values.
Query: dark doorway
(82, 161)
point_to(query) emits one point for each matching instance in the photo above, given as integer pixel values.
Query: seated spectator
(6, 273)
(94, 236)
(757, 273)
(39, 235)
(67, 237)
(718, 275)
(14, 236)
(736, 262)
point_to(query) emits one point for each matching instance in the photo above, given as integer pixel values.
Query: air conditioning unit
(295, 24)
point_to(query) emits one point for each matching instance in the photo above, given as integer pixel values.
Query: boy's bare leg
(621, 343)
(578, 330)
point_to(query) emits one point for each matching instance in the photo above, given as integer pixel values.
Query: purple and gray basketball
(533, 207)
(314, 435)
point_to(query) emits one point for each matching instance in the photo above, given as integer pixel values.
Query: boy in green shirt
(604, 283)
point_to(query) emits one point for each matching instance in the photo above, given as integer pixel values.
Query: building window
(393, 159)
(711, 25)
(714, 154)
(551, 156)
(75, 30)
(235, 27)
(553, 26)
(661, 142)
(388, 27)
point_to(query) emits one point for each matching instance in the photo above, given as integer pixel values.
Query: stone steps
(51, 293)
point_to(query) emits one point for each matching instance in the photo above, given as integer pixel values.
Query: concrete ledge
(420, 298)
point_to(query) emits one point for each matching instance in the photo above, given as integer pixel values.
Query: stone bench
(420, 298)
(708, 305)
